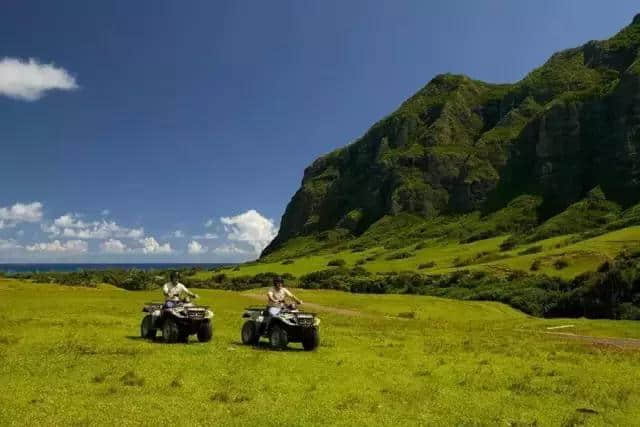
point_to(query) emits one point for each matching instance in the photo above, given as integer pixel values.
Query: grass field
(485, 254)
(72, 356)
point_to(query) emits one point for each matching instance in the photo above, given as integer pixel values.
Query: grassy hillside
(71, 356)
(435, 256)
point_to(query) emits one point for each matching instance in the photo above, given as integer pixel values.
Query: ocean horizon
(68, 267)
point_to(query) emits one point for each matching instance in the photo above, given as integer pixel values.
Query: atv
(177, 320)
(290, 325)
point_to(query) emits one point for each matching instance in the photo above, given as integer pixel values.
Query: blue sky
(178, 131)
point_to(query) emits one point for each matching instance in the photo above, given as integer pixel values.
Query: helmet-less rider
(277, 296)
(173, 289)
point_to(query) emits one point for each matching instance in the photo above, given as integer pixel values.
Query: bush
(508, 244)
(531, 250)
(560, 263)
(287, 262)
(426, 265)
(336, 263)
(535, 265)
(399, 255)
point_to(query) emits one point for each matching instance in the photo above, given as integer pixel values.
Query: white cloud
(178, 234)
(151, 246)
(29, 80)
(69, 221)
(70, 226)
(209, 223)
(113, 246)
(9, 244)
(71, 246)
(195, 248)
(105, 212)
(230, 249)
(20, 212)
(251, 228)
(206, 236)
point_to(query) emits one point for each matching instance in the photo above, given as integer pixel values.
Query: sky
(167, 131)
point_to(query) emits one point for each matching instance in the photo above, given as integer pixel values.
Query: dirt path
(621, 343)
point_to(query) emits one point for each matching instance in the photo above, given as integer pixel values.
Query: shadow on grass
(158, 340)
(264, 345)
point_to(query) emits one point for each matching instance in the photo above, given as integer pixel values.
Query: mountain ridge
(461, 145)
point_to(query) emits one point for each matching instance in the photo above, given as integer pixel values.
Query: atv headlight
(316, 321)
(208, 314)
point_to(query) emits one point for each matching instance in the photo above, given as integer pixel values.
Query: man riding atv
(282, 323)
(173, 289)
(277, 296)
(177, 317)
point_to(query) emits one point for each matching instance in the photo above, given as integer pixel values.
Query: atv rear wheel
(311, 339)
(205, 332)
(147, 330)
(278, 338)
(170, 331)
(249, 333)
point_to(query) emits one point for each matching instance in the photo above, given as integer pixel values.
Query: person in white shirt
(173, 289)
(277, 295)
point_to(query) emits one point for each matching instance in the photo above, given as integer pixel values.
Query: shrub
(560, 263)
(535, 265)
(399, 255)
(336, 263)
(287, 262)
(508, 244)
(407, 315)
(361, 261)
(531, 250)
(426, 265)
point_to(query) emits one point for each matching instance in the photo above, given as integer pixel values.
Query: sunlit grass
(71, 356)
(585, 255)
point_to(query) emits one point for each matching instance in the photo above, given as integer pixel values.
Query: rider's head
(174, 277)
(277, 282)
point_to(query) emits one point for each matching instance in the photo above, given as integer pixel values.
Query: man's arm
(187, 291)
(292, 296)
(165, 290)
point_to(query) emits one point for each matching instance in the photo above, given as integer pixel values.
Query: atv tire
(249, 333)
(147, 331)
(170, 331)
(311, 339)
(278, 338)
(205, 332)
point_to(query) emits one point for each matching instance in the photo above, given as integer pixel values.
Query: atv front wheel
(147, 330)
(249, 333)
(278, 338)
(170, 331)
(311, 339)
(205, 332)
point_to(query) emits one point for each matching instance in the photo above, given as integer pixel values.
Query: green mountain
(554, 153)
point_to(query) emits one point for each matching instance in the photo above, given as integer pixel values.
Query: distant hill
(555, 153)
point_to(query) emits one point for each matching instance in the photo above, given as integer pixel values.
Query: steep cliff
(461, 145)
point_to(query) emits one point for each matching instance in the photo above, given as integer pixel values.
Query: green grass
(71, 356)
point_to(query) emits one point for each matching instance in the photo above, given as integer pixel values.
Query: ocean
(31, 268)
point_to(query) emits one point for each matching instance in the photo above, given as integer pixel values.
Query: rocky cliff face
(460, 145)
